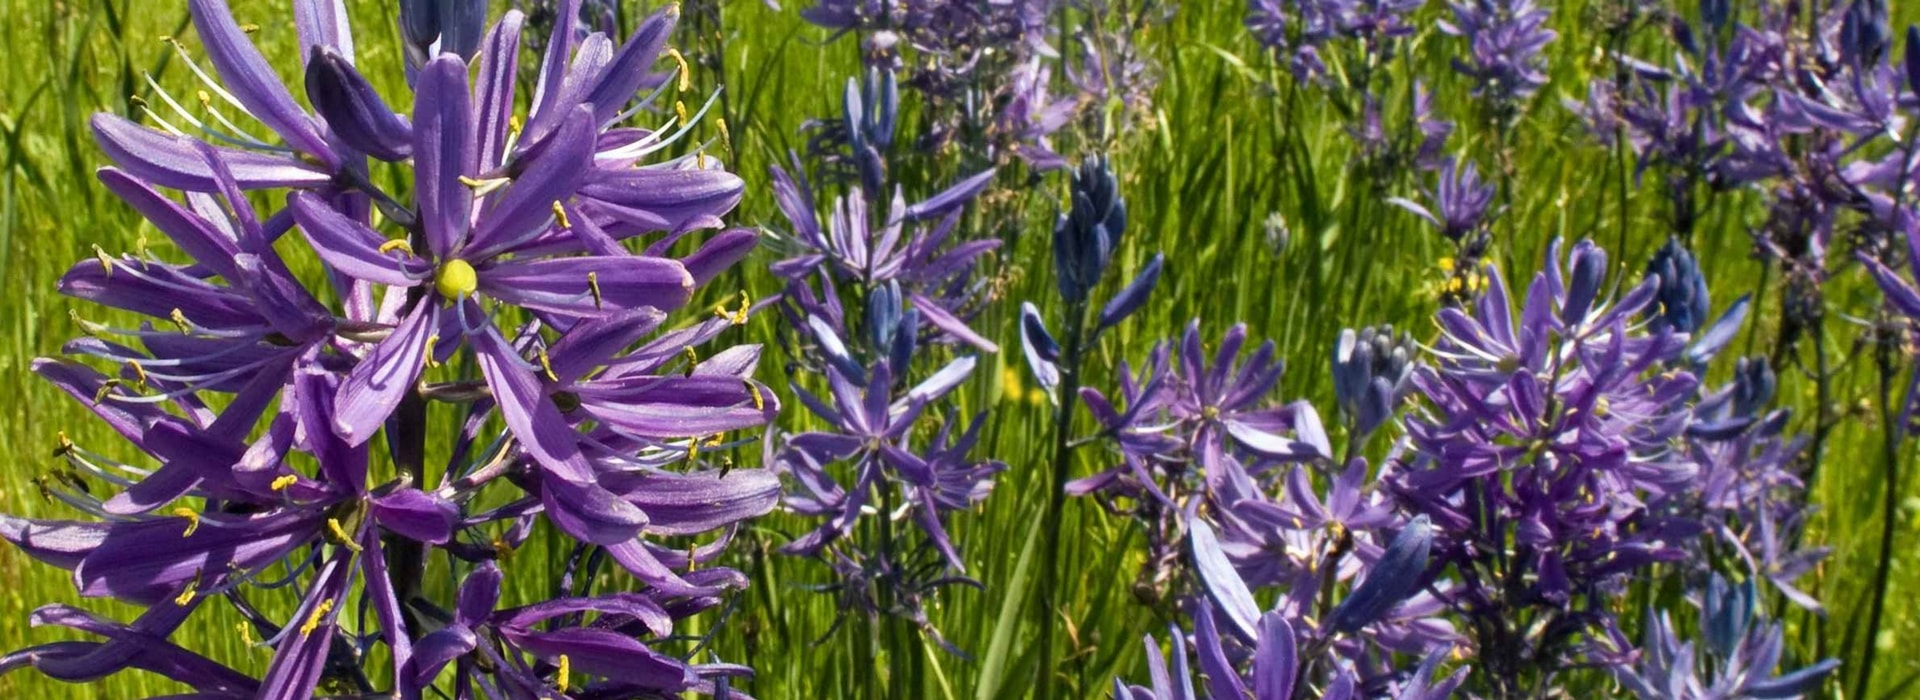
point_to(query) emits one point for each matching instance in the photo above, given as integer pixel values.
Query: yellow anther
(759, 401)
(206, 100)
(186, 596)
(431, 341)
(139, 373)
(313, 618)
(680, 108)
(473, 182)
(246, 632)
(735, 317)
(515, 124)
(1601, 407)
(593, 287)
(106, 261)
(693, 359)
(716, 440)
(193, 520)
(457, 279)
(693, 449)
(180, 319)
(566, 669)
(546, 363)
(560, 215)
(340, 535)
(399, 244)
(501, 550)
(686, 73)
(66, 444)
(249, 28)
(140, 245)
(700, 158)
(692, 548)
(105, 390)
(283, 482)
(726, 135)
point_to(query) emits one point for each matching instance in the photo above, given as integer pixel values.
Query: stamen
(399, 244)
(500, 549)
(105, 390)
(106, 261)
(693, 359)
(139, 373)
(186, 596)
(246, 632)
(726, 136)
(340, 535)
(515, 124)
(281, 484)
(180, 319)
(693, 450)
(547, 364)
(249, 28)
(560, 214)
(566, 669)
(686, 73)
(193, 520)
(680, 109)
(692, 548)
(431, 341)
(66, 445)
(593, 286)
(313, 619)
(759, 401)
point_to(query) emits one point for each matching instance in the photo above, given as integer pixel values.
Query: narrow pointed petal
(443, 153)
(251, 79)
(1134, 296)
(175, 162)
(696, 503)
(525, 208)
(353, 249)
(1223, 584)
(375, 386)
(301, 655)
(589, 286)
(659, 199)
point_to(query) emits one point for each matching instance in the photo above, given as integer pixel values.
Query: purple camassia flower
(1738, 659)
(1302, 29)
(1504, 38)
(1280, 648)
(1460, 202)
(296, 495)
(909, 248)
(1543, 440)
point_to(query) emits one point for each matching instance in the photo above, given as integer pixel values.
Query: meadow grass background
(1201, 173)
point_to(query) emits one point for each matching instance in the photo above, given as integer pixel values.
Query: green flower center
(456, 279)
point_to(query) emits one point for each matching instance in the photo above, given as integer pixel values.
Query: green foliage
(1202, 174)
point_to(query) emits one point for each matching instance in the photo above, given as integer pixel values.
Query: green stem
(1050, 579)
(1892, 434)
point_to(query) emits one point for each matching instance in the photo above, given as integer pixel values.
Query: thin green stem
(1050, 578)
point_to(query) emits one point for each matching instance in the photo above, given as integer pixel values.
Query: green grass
(1201, 175)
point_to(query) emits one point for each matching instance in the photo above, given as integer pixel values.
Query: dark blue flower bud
(1753, 387)
(1681, 303)
(1913, 59)
(1042, 352)
(1135, 295)
(1370, 371)
(1084, 239)
(354, 110)
(1583, 282)
(1393, 579)
(1714, 13)
(420, 22)
(1728, 610)
(883, 314)
(1865, 33)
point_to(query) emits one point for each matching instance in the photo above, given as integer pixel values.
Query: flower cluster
(869, 290)
(1553, 453)
(289, 423)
